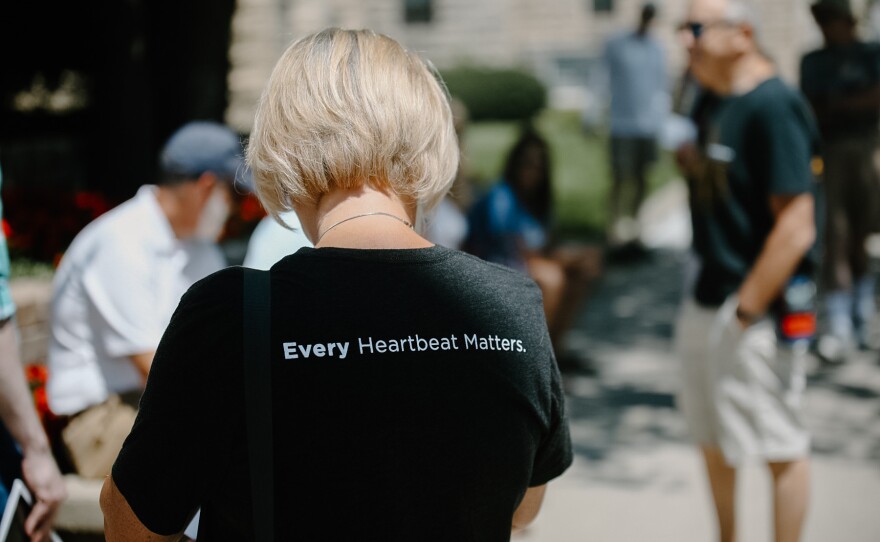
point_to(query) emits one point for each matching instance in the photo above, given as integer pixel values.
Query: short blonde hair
(343, 108)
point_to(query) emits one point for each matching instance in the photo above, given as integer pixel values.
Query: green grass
(25, 268)
(580, 168)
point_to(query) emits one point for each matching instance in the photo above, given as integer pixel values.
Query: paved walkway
(635, 476)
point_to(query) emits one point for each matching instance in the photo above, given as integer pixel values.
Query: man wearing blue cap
(120, 281)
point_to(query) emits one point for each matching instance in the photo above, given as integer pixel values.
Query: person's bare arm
(17, 411)
(528, 509)
(792, 236)
(143, 362)
(120, 522)
(687, 157)
(16, 404)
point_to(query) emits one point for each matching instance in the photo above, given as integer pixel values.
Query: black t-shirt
(753, 146)
(831, 74)
(415, 397)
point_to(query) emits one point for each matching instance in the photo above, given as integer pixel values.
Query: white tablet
(17, 509)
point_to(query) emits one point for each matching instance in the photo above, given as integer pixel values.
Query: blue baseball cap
(202, 146)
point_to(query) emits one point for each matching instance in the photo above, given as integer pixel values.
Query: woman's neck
(362, 218)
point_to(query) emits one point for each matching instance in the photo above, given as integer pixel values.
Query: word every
(319, 350)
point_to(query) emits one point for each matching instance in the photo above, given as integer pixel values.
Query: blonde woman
(414, 390)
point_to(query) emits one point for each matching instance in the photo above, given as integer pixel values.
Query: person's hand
(42, 477)
(687, 156)
(746, 318)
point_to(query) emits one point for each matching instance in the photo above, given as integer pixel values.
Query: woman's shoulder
(470, 269)
(218, 280)
(219, 290)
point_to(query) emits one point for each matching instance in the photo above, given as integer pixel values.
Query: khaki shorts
(741, 389)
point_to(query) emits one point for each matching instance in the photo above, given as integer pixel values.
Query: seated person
(120, 280)
(510, 226)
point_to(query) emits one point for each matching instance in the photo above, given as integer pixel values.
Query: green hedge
(496, 94)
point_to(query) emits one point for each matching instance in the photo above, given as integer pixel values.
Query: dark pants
(852, 191)
(630, 159)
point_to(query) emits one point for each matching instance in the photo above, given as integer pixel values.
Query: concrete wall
(32, 298)
(529, 33)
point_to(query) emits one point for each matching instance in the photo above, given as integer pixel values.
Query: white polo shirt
(113, 295)
(271, 241)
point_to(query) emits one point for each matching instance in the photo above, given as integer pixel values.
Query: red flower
(93, 202)
(36, 374)
(250, 209)
(42, 402)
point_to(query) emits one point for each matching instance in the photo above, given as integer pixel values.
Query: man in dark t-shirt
(752, 206)
(842, 82)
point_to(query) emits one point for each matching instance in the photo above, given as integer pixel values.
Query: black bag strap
(258, 400)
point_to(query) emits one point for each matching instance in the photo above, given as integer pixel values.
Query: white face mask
(213, 217)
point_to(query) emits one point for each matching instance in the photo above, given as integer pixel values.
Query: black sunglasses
(697, 29)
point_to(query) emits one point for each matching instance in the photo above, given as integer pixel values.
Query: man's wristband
(747, 318)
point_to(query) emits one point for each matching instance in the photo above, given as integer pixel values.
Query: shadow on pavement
(621, 403)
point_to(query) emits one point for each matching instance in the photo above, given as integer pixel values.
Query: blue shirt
(501, 228)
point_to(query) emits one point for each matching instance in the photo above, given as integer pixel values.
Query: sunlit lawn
(23, 267)
(581, 174)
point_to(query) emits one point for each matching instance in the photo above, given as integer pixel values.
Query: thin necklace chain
(380, 213)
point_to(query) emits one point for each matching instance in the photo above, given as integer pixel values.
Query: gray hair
(744, 12)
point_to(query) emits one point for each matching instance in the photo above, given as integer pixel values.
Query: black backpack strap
(258, 400)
